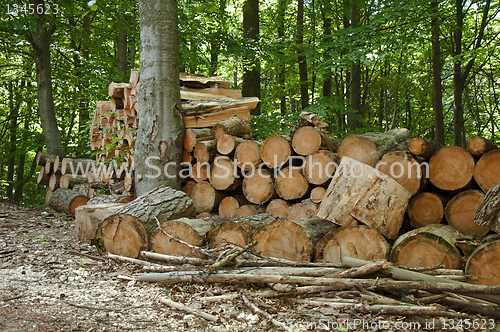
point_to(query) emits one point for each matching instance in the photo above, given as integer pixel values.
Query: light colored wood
(428, 246)
(278, 207)
(317, 194)
(48, 167)
(352, 241)
(258, 186)
(405, 169)
(483, 264)
(134, 78)
(293, 240)
(276, 151)
(234, 126)
(202, 108)
(319, 167)
(460, 212)
(48, 195)
(189, 140)
(205, 151)
(222, 174)
(301, 211)
(211, 119)
(188, 187)
(426, 208)
(359, 148)
(226, 144)
(247, 155)
(202, 81)
(220, 92)
(478, 146)
(486, 171)
(290, 183)
(43, 178)
(357, 193)
(228, 206)
(205, 197)
(451, 168)
(76, 166)
(191, 231)
(306, 140)
(116, 89)
(423, 148)
(200, 172)
(69, 181)
(246, 210)
(88, 218)
(67, 200)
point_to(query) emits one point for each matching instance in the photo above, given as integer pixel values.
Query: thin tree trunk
(436, 73)
(304, 90)
(161, 130)
(355, 91)
(14, 113)
(121, 48)
(281, 16)
(251, 75)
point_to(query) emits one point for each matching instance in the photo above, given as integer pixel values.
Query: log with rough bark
(353, 241)
(301, 211)
(234, 126)
(43, 157)
(488, 214)
(238, 230)
(188, 187)
(276, 151)
(113, 198)
(226, 144)
(426, 208)
(424, 148)
(483, 264)
(486, 171)
(228, 206)
(460, 212)
(205, 197)
(67, 200)
(319, 167)
(247, 155)
(293, 240)
(357, 193)
(126, 232)
(190, 231)
(205, 151)
(478, 146)
(317, 194)
(405, 169)
(88, 218)
(43, 178)
(290, 183)
(392, 140)
(451, 168)
(258, 186)
(428, 246)
(222, 174)
(278, 207)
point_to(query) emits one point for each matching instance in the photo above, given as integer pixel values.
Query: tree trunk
(160, 135)
(483, 264)
(428, 246)
(121, 46)
(251, 75)
(421, 147)
(191, 231)
(360, 241)
(436, 73)
(292, 240)
(66, 200)
(488, 214)
(88, 217)
(486, 171)
(426, 208)
(304, 89)
(451, 168)
(40, 41)
(355, 83)
(460, 212)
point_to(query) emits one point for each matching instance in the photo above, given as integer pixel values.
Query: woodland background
(430, 66)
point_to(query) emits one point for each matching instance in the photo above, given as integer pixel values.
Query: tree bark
(67, 200)
(355, 83)
(460, 212)
(251, 74)
(304, 89)
(488, 214)
(160, 135)
(436, 73)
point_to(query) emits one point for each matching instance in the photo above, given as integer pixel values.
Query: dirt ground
(46, 287)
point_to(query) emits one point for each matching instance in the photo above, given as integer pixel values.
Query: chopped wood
(486, 171)
(226, 144)
(426, 208)
(278, 207)
(205, 151)
(301, 211)
(205, 198)
(258, 186)
(246, 210)
(66, 200)
(306, 140)
(317, 194)
(451, 168)
(228, 206)
(405, 169)
(113, 198)
(423, 148)
(360, 149)
(290, 183)
(247, 155)
(276, 151)
(88, 218)
(199, 172)
(223, 174)
(478, 146)
(483, 264)
(211, 119)
(233, 126)
(319, 167)
(460, 212)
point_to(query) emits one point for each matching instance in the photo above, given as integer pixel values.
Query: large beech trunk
(114, 198)
(428, 246)
(238, 230)
(88, 218)
(66, 200)
(126, 231)
(486, 171)
(426, 209)
(460, 212)
(451, 168)
(483, 264)
(205, 197)
(259, 187)
(478, 146)
(488, 214)
(276, 151)
(356, 193)
(405, 169)
(359, 241)
(293, 240)
(424, 148)
(290, 183)
(191, 231)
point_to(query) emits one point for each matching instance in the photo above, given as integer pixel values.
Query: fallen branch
(368, 268)
(176, 259)
(230, 258)
(182, 307)
(131, 260)
(195, 248)
(261, 312)
(76, 253)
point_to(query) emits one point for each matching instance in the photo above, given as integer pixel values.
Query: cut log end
(306, 140)
(275, 151)
(483, 264)
(460, 212)
(451, 168)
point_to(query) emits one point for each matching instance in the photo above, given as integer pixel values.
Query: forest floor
(44, 287)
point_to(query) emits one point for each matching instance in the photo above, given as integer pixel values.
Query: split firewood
(233, 126)
(426, 208)
(67, 200)
(460, 212)
(189, 231)
(276, 151)
(451, 168)
(428, 246)
(424, 148)
(478, 146)
(486, 170)
(488, 214)
(214, 115)
(293, 240)
(278, 207)
(353, 241)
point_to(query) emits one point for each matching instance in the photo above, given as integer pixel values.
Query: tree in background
(251, 75)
